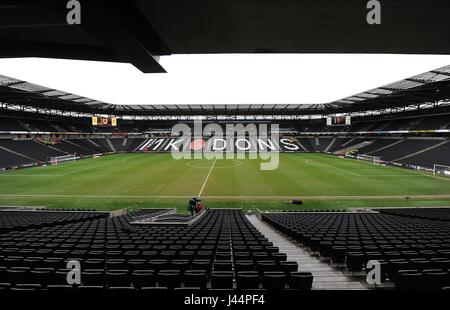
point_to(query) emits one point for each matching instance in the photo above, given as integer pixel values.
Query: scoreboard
(339, 121)
(104, 121)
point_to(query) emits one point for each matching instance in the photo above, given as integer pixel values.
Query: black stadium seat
(117, 278)
(17, 275)
(247, 280)
(93, 277)
(244, 265)
(195, 278)
(300, 280)
(225, 247)
(222, 280)
(274, 280)
(26, 287)
(59, 288)
(202, 264)
(143, 278)
(169, 278)
(435, 279)
(355, 261)
(338, 254)
(44, 276)
(86, 288)
(223, 265)
(154, 289)
(408, 243)
(409, 280)
(266, 265)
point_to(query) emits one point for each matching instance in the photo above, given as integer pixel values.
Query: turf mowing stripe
(270, 197)
(64, 174)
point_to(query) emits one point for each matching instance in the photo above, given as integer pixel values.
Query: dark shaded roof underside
(137, 31)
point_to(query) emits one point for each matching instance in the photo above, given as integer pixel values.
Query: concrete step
(326, 276)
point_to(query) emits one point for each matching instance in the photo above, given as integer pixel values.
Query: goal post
(61, 159)
(376, 160)
(441, 170)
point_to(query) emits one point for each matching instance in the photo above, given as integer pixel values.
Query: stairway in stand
(326, 276)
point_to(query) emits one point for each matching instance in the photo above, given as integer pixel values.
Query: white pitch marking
(207, 177)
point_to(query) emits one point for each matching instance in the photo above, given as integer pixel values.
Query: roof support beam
(100, 20)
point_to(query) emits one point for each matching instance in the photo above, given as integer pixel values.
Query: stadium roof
(139, 31)
(427, 88)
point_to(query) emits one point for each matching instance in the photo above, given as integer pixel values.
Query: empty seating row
(199, 262)
(222, 244)
(441, 214)
(24, 153)
(404, 148)
(22, 220)
(170, 278)
(353, 239)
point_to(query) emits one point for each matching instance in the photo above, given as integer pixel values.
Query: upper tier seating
(10, 124)
(434, 122)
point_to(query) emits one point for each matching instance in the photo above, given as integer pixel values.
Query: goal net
(376, 160)
(441, 170)
(61, 159)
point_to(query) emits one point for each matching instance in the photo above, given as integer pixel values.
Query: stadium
(352, 194)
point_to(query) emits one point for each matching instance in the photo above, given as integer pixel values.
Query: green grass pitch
(156, 180)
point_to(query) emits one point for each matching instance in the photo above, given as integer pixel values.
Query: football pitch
(157, 180)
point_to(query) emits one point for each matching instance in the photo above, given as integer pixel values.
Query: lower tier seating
(24, 153)
(22, 220)
(220, 251)
(440, 214)
(413, 252)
